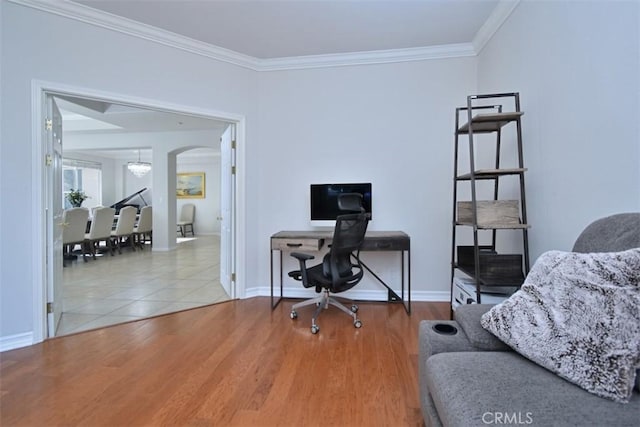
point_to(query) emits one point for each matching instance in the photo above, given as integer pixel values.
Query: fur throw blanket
(578, 315)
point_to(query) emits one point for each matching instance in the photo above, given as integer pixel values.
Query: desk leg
(280, 278)
(271, 270)
(408, 304)
(273, 306)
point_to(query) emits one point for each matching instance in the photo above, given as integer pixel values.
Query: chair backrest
(75, 220)
(338, 264)
(145, 222)
(613, 233)
(188, 213)
(350, 202)
(94, 209)
(101, 223)
(126, 221)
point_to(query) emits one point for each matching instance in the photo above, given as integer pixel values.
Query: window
(85, 176)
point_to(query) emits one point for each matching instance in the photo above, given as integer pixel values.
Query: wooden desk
(315, 240)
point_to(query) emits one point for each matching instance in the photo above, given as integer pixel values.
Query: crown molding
(112, 22)
(365, 58)
(499, 15)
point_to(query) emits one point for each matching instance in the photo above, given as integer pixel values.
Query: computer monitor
(324, 201)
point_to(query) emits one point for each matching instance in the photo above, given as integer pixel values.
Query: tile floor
(138, 284)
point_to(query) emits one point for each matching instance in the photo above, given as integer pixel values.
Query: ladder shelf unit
(485, 269)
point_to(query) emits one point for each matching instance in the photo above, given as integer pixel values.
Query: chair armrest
(302, 256)
(301, 274)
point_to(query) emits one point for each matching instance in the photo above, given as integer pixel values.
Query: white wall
(36, 46)
(391, 125)
(576, 66)
(207, 209)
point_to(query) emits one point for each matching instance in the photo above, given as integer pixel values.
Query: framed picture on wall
(190, 185)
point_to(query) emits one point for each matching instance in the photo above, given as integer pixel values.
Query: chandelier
(139, 168)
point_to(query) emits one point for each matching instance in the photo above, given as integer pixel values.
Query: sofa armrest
(468, 317)
(432, 342)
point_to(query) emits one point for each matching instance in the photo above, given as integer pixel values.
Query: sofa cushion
(468, 316)
(577, 315)
(485, 388)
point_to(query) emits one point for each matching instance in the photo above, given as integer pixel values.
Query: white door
(227, 195)
(53, 136)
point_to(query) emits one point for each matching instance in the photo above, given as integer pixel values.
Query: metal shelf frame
(487, 119)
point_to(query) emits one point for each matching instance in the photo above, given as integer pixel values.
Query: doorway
(43, 288)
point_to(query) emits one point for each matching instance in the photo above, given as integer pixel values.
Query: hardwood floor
(236, 363)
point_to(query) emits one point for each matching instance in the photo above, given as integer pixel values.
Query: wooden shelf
(489, 212)
(491, 173)
(490, 122)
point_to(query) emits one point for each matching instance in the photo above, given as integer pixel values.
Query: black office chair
(340, 269)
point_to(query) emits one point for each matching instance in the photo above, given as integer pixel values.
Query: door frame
(39, 91)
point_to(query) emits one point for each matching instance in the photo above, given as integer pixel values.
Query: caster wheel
(315, 329)
(357, 324)
(293, 314)
(354, 308)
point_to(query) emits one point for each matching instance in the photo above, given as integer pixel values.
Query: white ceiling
(90, 116)
(81, 116)
(86, 117)
(267, 29)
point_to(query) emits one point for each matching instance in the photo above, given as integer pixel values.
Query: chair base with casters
(322, 302)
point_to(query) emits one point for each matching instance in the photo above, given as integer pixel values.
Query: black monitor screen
(324, 199)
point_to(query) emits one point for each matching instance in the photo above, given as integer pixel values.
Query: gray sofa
(470, 378)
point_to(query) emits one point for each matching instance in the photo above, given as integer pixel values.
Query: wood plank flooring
(236, 363)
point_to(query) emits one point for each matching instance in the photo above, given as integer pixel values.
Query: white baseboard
(12, 342)
(431, 296)
(361, 295)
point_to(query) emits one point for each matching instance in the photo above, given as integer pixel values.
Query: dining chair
(124, 228)
(100, 230)
(187, 216)
(74, 223)
(144, 227)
